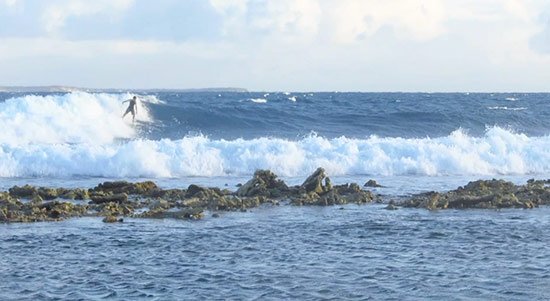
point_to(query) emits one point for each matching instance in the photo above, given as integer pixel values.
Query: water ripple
(360, 253)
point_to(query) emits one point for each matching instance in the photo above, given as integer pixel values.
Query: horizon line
(63, 88)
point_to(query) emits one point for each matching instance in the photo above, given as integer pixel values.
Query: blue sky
(278, 45)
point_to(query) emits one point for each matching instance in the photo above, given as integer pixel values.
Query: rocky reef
(485, 194)
(116, 200)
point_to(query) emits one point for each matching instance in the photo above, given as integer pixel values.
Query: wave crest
(498, 152)
(78, 117)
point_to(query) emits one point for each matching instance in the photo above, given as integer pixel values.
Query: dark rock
(47, 193)
(169, 194)
(112, 208)
(193, 189)
(112, 219)
(311, 198)
(36, 201)
(352, 193)
(372, 183)
(114, 198)
(317, 193)
(118, 187)
(26, 191)
(391, 206)
(189, 213)
(73, 194)
(330, 198)
(485, 194)
(314, 183)
(229, 203)
(264, 183)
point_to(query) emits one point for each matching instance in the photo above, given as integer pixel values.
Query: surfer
(132, 107)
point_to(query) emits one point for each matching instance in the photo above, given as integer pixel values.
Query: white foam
(292, 98)
(147, 98)
(498, 152)
(77, 117)
(507, 108)
(258, 100)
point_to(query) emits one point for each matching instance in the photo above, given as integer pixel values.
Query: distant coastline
(53, 89)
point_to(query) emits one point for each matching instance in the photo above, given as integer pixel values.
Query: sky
(278, 45)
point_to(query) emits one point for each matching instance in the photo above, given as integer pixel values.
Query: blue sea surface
(213, 135)
(273, 253)
(355, 115)
(408, 142)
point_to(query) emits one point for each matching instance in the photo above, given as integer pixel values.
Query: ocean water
(284, 253)
(409, 142)
(225, 136)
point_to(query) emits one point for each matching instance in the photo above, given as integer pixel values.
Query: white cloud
(302, 44)
(18, 48)
(283, 18)
(409, 19)
(10, 3)
(298, 17)
(224, 6)
(344, 20)
(12, 6)
(55, 15)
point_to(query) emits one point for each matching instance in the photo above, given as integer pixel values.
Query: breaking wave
(498, 152)
(75, 118)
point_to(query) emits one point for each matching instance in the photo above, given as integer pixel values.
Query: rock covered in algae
(318, 190)
(264, 183)
(484, 194)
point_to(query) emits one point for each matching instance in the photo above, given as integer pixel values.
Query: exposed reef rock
(28, 191)
(112, 219)
(14, 210)
(314, 183)
(117, 187)
(317, 189)
(110, 198)
(372, 183)
(486, 194)
(115, 200)
(264, 183)
(188, 213)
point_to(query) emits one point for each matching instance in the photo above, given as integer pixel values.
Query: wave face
(498, 152)
(212, 134)
(69, 118)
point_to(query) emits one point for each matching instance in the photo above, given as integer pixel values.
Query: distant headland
(53, 89)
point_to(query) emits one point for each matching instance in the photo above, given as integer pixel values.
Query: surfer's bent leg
(127, 111)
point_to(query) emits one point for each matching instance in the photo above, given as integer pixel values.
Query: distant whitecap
(507, 108)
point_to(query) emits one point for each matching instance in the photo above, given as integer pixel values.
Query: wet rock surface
(485, 194)
(116, 200)
(264, 183)
(372, 183)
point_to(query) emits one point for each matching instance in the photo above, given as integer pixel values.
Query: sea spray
(498, 152)
(77, 117)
